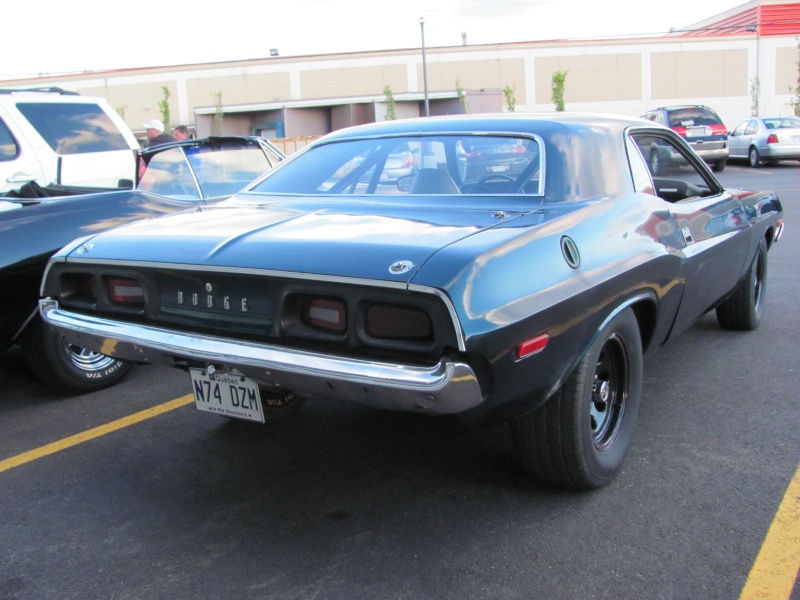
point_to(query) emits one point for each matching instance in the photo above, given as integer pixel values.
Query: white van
(55, 136)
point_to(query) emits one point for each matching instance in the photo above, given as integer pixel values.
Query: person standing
(155, 133)
(181, 132)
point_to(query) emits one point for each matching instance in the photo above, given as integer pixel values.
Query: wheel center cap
(602, 391)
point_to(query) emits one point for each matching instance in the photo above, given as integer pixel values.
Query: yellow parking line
(775, 570)
(90, 434)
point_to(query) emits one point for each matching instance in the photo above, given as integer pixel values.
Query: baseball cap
(154, 124)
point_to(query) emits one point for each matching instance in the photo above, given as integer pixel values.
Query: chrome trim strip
(136, 264)
(444, 388)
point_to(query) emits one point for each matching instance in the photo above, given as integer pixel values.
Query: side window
(8, 145)
(642, 182)
(739, 129)
(168, 174)
(675, 175)
(752, 127)
(73, 128)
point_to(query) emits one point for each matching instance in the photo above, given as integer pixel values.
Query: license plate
(226, 394)
(795, 139)
(498, 168)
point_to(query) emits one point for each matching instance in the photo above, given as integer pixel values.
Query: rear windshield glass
(449, 164)
(74, 128)
(693, 116)
(782, 123)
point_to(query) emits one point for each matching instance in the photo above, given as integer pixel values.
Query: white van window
(8, 145)
(76, 128)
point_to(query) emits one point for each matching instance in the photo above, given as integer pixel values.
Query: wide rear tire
(744, 308)
(280, 405)
(579, 438)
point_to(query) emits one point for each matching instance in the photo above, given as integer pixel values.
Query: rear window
(444, 164)
(693, 116)
(76, 128)
(782, 123)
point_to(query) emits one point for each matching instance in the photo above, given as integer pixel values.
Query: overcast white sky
(53, 36)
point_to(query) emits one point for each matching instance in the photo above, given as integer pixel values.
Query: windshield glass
(451, 164)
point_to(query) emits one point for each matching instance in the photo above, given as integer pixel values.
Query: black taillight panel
(79, 288)
(397, 322)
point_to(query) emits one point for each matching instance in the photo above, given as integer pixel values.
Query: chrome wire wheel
(66, 367)
(86, 360)
(609, 393)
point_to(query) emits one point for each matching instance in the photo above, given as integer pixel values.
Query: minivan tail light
(123, 290)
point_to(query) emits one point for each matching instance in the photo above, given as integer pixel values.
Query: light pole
(424, 67)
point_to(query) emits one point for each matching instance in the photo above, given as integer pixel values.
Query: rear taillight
(393, 322)
(328, 314)
(719, 129)
(126, 291)
(80, 287)
(773, 138)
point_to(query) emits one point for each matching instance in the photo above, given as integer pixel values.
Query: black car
(700, 126)
(532, 304)
(36, 221)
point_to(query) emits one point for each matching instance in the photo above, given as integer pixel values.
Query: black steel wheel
(744, 308)
(754, 157)
(579, 438)
(66, 367)
(719, 166)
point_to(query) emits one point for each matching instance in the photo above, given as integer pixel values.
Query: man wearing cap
(155, 133)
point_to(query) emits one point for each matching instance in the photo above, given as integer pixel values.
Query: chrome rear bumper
(444, 388)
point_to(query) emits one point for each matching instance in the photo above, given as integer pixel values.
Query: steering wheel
(491, 179)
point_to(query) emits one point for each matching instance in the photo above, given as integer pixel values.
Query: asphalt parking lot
(130, 493)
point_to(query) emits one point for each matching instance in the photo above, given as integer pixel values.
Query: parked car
(766, 140)
(532, 304)
(174, 177)
(49, 135)
(494, 159)
(700, 126)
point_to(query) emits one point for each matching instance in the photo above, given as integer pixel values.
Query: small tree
(510, 94)
(218, 112)
(390, 115)
(795, 101)
(462, 96)
(558, 85)
(755, 92)
(163, 106)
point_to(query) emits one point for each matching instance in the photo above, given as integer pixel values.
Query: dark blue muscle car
(36, 222)
(517, 274)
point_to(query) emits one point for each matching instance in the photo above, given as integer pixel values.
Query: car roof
(510, 123)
